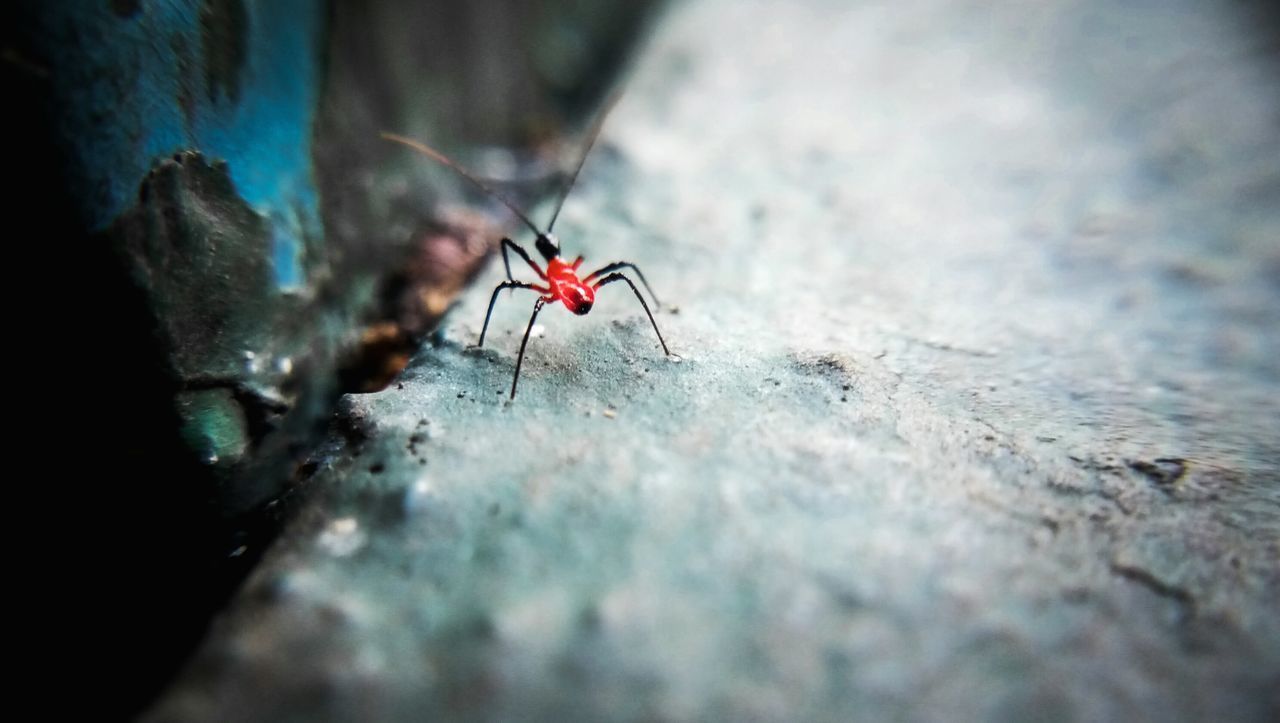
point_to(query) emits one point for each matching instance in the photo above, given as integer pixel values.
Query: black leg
(619, 277)
(509, 244)
(537, 306)
(493, 299)
(625, 265)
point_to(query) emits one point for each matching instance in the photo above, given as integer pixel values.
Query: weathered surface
(977, 415)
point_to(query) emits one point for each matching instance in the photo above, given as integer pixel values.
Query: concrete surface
(976, 416)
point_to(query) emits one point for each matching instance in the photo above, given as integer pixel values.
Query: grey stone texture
(976, 416)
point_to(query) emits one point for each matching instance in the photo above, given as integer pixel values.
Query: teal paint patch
(213, 425)
(236, 80)
(286, 260)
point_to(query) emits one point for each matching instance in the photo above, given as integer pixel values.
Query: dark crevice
(1156, 585)
(444, 258)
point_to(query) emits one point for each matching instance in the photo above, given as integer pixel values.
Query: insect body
(560, 281)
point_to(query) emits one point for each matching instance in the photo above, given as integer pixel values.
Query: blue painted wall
(238, 80)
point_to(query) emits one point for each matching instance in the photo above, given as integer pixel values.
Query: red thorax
(562, 278)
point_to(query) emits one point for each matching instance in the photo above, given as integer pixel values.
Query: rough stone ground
(978, 414)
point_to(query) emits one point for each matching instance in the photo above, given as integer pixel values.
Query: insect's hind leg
(619, 265)
(493, 299)
(508, 244)
(537, 306)
(620, 277)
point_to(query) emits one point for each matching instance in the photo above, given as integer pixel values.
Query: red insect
(560, 280)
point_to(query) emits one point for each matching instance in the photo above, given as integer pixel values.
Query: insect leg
(625, 265)
(619, 277)
(493, 299)
(509, 244)
(537, 306)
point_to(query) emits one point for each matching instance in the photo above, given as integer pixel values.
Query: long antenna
(591, 140)
(442, 158)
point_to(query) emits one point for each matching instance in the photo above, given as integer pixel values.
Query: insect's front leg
(620, 277)
(619, 265)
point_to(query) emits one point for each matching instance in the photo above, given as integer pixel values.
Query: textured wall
(234, 79)
(220, 222)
